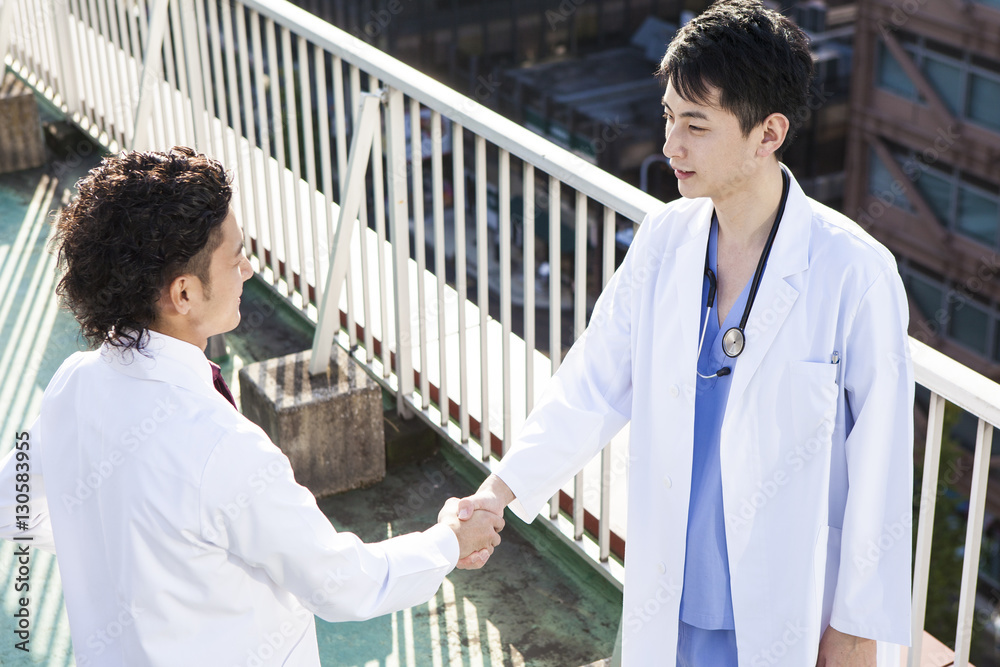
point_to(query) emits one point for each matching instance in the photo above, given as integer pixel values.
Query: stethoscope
(734, 340)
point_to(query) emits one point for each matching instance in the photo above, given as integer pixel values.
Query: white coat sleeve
(21, 478)
(586, 402)
(252, 507)
(872, 598)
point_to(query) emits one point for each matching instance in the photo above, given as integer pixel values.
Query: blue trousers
(697, 647)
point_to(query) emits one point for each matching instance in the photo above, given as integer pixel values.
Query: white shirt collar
(165, 359)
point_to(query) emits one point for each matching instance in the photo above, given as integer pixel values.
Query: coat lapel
(777, 292)
(686, 280)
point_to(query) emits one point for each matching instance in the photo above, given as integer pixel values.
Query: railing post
(150, 73)
(925, 526)
(604, 532)
(399, 221)
(59, 10)
(973, 541)
(328, 320)
(196, 84)
(6, 27)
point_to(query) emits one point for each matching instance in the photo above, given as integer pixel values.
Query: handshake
(477, 521)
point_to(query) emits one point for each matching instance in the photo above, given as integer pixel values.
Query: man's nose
(671, 145)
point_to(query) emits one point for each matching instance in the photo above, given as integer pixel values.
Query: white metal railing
(278, 96)
(950, 381)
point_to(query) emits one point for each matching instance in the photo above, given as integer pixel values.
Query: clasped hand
(477, 521)
(478, 531)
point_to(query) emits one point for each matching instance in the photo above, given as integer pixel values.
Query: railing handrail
(956, 382)
(554, 160)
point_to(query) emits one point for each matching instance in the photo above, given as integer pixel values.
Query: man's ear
(177, 297)
(775, 129)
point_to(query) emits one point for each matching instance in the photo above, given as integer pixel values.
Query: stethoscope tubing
(759, 273)
(738, 332)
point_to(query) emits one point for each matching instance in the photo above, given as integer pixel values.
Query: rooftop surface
(531, 605)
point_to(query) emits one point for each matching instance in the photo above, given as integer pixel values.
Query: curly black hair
(138, 221)
(758, 59)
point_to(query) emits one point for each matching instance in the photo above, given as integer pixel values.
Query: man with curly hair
(180, 533)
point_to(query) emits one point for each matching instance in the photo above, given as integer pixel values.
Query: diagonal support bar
(357, 166)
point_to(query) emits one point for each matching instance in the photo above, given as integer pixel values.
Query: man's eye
(666, 116)
(697, 129)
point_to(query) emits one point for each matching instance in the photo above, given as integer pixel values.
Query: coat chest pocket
(811, 392)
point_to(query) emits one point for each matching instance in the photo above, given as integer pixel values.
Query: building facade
(923, 163)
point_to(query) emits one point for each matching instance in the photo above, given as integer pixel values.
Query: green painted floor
(531, 605)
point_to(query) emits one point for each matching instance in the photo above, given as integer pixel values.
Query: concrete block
(329, 426)
(22, 145)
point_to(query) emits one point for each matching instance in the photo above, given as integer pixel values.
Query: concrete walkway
(532, 605)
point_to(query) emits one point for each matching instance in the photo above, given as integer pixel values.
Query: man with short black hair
(181, 535)
(757, 343)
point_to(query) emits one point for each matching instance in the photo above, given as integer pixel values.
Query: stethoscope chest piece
(733, 342)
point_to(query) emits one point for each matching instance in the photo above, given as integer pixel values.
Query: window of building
(927, 294)
(936, 189)
(996, 342)
(969, 85)
(984, 98)
(969, 324)
(891, 75)
(879, 178)
(880, 184)
(953, 310)
(960, 202)
(948, 80)
(978, 215)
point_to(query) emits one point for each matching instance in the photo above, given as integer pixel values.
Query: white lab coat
(816, 456)
(182, 537)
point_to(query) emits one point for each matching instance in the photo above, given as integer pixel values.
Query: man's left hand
(839, 650)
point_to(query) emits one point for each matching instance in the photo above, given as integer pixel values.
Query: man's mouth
(681, 174)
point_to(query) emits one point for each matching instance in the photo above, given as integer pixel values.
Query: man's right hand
(478, 533)
(493, 496)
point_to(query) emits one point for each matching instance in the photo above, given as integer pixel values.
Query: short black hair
(758, 59)
(138, 221)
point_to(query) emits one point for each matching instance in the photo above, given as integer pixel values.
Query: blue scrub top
(706, 599)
